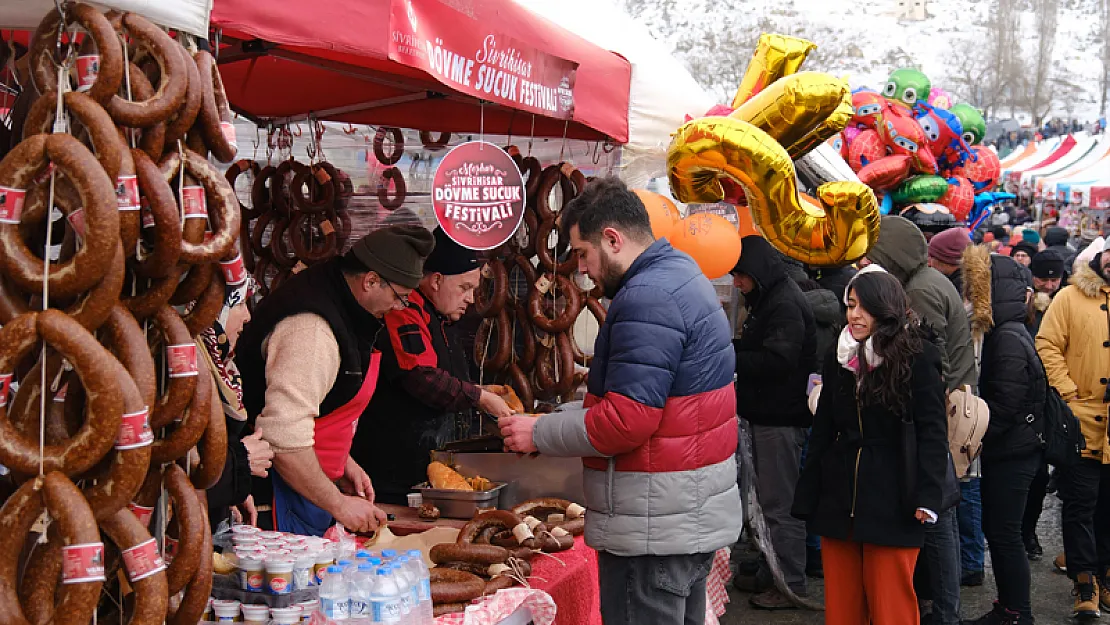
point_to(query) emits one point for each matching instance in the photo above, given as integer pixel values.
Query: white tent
(190, 16)
(662, 92)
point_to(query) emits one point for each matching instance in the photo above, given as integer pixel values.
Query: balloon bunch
(920, 153)
(780, 117)
(709, 239)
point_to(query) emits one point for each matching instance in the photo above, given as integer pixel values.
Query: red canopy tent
(419, 64)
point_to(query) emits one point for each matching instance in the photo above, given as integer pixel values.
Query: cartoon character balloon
(903, 135)
(940, 99)
(907, 87)
(982, 169)
(865, 149)
(975, 128)
(960, 198)
(869, 106)
(945, 134)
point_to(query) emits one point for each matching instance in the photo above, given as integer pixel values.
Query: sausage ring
(498, 357)
(105, 138)
(187, 432)
(525, 337)
(468, 552)
(43, 69)
(184, 118)
(93, 365)
(232, 174)
(531, 166)
(152, 140)
(469, 567)
(551, 176)
(500, 582)
(128, 202)
(123, 336)
(324, 193)
(437, 143)
(491, 305)
(167, 219)
(524, 240)
(190, 517)
(268, 219)
(212, 448)
(398, 198)
(151, 590)
(225, 208)
(180, 390)
(379, 145)
(206, 308)
(565, 319)
(88, 265)
(112, 484)
(451, 586)
(301, 237)
(189, 610)
(502, 519)
(547, 256)
(519, 381)
(157, 294)
(74, 525)
(174, 79)
(280, 251)
(564, 351)
(215, 114)
(281, 200)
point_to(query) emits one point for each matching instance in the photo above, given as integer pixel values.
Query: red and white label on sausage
(147, 214)
(83, 563)
(11, 204)
(127, 193)
(88, 66)
(77, 222)
(235, 273)
(134, 430)
(60, 394)
(193, 202)
(142, 513)
(171, 549)
(182, 360)
(228, 131)
(143, 560)
(5, 386)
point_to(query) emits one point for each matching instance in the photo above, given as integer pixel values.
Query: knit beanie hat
(1026, 247)
(449, 258)
(1047, 265)
(1031, 237)
(948, 246)
(395, 253)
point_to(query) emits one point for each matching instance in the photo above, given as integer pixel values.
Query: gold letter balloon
(781, 116)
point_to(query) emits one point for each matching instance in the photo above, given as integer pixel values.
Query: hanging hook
(350, 129)
(298, 132)
(566, 126)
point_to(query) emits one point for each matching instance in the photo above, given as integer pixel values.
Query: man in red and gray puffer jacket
(658, 431)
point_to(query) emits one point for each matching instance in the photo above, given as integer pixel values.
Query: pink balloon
(850, 133)
(940, 98)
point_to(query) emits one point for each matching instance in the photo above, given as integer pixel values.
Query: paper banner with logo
(461, 53)
(478, 195)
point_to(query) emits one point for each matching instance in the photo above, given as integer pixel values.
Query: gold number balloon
(775, 56)
(800, 111)
(837, 227)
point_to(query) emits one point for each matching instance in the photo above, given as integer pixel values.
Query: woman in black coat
(853, 491)
(1011, 381)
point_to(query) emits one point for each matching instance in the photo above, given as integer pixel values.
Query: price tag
(235, 273)
(83, 563)
(182, 360)
(134, 430)
(194, 202)
(127, 193)
(88, 67)
(11, 204)
(143, 560)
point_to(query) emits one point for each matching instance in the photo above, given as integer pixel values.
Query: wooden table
(408, 522)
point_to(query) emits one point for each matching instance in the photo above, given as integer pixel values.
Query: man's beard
(611, 276)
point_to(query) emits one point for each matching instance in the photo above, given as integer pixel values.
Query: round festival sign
(478, 195)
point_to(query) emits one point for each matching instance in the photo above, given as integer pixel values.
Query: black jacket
(1011, 380)
(776, 350)
(828, 319)
(832, 482)
(234, 485)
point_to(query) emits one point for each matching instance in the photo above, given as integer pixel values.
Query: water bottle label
(387, 611)
(336, 610)
(425, 589)
(406, 603)
(359, 608)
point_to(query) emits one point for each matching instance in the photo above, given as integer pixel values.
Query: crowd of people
(349, 374)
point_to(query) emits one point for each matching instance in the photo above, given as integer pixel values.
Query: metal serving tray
(460, 504)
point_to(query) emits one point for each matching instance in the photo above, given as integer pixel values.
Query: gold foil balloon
(775, 56)
(836, 227)
(800, 111)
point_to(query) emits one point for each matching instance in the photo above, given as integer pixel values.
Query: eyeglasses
(404, 299)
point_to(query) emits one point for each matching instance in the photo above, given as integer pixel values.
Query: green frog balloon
(907, 87)
(972, 121)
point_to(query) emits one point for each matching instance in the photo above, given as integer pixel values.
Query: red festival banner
(467, 56)
(478, 195)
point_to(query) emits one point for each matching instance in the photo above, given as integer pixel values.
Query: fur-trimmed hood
(975, 265)
(1086, 280)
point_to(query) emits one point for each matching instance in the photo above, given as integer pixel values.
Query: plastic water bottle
(385, 599)
(404, 586)
(335, 596)
(359, 585)
(405, 569)
(389, 554)
(423, 588)
(348, 566)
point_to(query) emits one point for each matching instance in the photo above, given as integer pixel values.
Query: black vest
(397, 432)
(322, 290)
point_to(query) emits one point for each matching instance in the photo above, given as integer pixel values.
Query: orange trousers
(868, 584)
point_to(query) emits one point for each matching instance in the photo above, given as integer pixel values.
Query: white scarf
(847, 352)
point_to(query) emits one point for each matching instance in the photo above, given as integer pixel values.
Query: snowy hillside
(864, 40)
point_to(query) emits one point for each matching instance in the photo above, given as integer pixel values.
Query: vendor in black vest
(309, 368)
(425, 376)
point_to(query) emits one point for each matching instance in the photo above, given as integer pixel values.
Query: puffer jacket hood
(760, 261)
(1010, 282)
(901, 248)
(825, 306)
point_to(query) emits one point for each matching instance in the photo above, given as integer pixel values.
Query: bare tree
(1104, 36)
(1037, 88)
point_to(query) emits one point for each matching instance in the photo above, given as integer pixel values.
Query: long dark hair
(896, 339)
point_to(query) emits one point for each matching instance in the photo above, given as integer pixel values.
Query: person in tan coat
(1074, 345)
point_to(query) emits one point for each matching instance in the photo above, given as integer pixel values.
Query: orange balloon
(662, 211)
(711, 240)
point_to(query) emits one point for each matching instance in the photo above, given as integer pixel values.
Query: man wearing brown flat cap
(309, 369)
